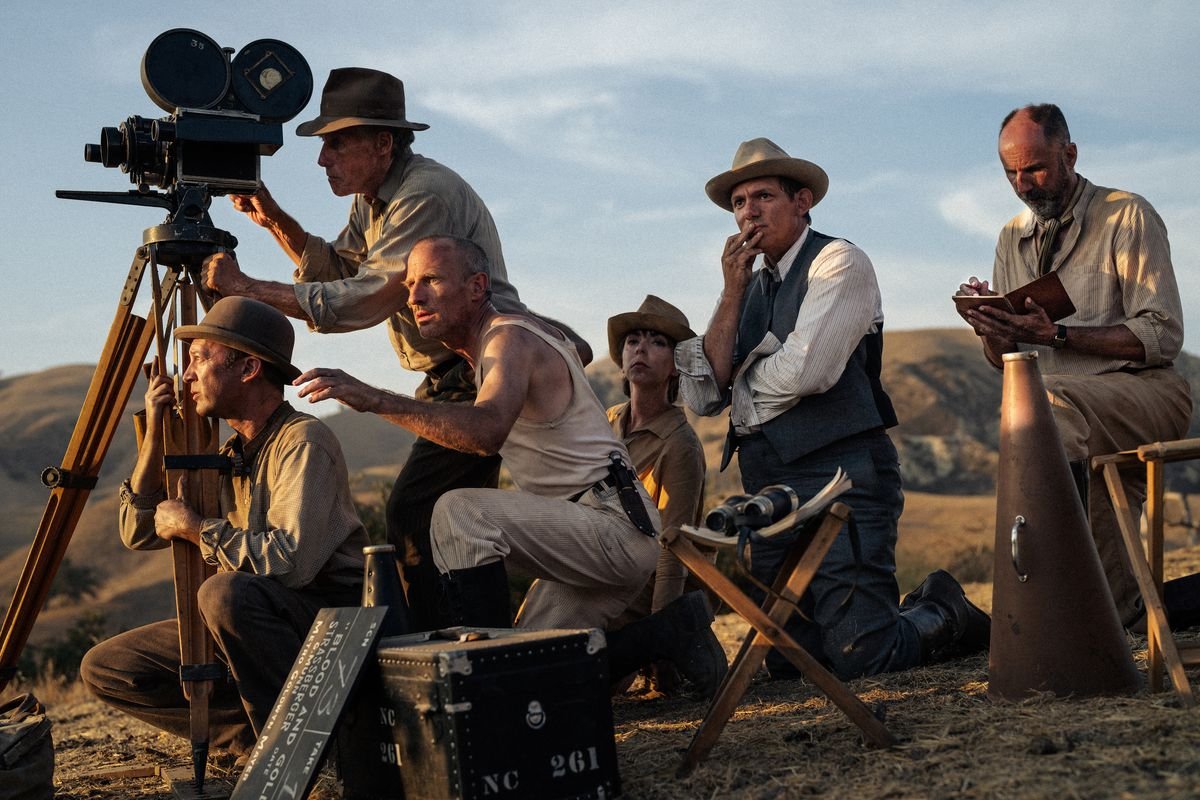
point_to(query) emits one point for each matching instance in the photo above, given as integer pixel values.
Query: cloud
(573, 123)
(978, 205)
(507, 115)
(918, 46)
(694, 211)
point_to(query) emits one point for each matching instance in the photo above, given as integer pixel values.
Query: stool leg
(1154, 548)
(1156, 615)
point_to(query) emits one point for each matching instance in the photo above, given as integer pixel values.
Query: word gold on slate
(289, 749)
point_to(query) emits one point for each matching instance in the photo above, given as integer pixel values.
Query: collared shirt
(842, 306)
(339, 284)
(1114, 260)
(669, 461)
(290, 517)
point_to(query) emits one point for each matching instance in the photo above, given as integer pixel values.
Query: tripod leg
(194, 435)
(112, 383)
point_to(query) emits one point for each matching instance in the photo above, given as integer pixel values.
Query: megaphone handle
(1018, 521)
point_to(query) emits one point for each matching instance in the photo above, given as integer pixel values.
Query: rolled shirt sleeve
(344, 285)
(697, 385)
(135, 519)
(1148, 290)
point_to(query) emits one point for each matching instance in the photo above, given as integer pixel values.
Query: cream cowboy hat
(762, 158)
(654, 314)
(247, 326)
(357, 96)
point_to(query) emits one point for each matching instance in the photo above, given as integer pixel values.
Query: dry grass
(786, 740)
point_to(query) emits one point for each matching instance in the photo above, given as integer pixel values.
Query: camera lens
(111, 148)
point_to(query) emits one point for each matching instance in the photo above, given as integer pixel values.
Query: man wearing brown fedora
(357, 281)
(287, 543)
(794, 351)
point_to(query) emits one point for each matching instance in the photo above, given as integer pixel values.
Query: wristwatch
(1060, 338)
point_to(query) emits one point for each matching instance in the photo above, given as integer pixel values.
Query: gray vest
(856, 403)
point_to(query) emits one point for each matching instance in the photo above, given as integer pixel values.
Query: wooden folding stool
(766, 630)
(1147, 561)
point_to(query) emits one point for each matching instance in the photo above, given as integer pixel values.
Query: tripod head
(188, 235)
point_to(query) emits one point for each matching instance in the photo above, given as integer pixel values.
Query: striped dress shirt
(842, 306)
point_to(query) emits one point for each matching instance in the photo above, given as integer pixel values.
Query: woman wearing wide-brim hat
(666, 452)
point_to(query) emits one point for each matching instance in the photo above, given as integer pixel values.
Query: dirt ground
(787, 740)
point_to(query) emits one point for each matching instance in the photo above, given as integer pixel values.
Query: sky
(590, 130)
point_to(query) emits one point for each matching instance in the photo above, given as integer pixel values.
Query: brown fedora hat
(357, 96)
(762, 158)
(248, 326)
(654, 314)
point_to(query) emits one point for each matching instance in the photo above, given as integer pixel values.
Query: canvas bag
(26, 750)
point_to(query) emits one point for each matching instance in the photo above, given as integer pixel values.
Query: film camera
(743, 511)
(225, 111)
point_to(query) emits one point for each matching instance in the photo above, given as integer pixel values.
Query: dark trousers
(854, 625)
(430, 471)
(258, 625)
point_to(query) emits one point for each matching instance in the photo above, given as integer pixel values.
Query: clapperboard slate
(285, 759)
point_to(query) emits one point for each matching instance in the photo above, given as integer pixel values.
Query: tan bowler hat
(762, 158)
(654, 314)
(248, 326)
(357, 96)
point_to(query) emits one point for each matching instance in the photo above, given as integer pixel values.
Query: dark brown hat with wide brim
(356, 96)
(654, 314)
(248, 326)
(762, 158)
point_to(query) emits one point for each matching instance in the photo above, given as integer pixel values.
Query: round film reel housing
(183, 68)
(271, 79)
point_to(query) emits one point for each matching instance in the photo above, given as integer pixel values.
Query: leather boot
(682, 634)
(1181, 597)
(426, 594)
(947, 623)
(478, 596)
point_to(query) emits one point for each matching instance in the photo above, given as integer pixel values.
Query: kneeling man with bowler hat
(287, 542)
(794, 350)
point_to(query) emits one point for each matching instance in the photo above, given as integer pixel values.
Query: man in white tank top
(581, 523)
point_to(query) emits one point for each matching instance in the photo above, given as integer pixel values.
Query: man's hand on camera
(223, 275)
(260, 207)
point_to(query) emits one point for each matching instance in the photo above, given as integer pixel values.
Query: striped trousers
(588, 559)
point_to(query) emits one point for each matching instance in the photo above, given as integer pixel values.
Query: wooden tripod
(180, 245)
